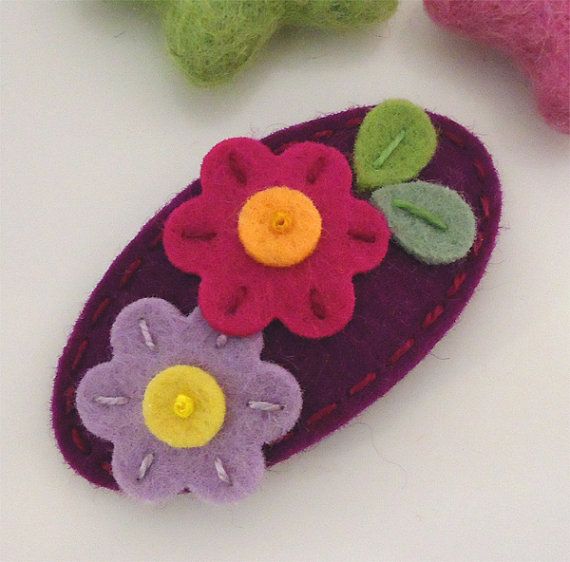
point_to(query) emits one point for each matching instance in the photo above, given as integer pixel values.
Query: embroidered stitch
(387, 152)
(221, 341)
(145, 465)
(111, 400)
(131, 269)
(401, 351)
(430, 218)
(146, 334)
(458, 280)
(362, 384)
(79, 442)
(322, 413)
(221, 471)
(432, 316)
(264, 406)
(100, 309)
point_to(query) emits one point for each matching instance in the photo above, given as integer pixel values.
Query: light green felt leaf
(394, 143)
(430, 221)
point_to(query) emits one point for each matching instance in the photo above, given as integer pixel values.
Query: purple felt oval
(403, 307)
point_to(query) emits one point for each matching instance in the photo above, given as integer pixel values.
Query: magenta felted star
(534, 33)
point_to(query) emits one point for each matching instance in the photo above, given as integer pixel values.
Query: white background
(465, 460)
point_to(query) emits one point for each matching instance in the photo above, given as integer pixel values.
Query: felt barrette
(274, 299)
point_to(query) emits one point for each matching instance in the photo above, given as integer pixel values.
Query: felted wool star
(534, 33)
(213, 39)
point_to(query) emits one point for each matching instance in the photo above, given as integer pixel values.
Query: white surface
(465, 460)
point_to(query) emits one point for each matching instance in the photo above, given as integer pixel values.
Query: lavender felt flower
(185, 407)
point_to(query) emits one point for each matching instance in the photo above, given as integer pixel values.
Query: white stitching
(221, 341)
(222, 474)
(264, 406)
(145, 465)
(111, 400)
(146, 334)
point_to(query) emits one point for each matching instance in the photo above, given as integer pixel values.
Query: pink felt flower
(276, 237)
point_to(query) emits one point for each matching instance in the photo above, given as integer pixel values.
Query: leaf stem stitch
(387, 152)
(427, 216)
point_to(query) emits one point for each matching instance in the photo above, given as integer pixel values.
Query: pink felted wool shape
(534, 33)
(240, 296)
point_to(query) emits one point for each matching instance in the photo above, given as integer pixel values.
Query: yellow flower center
(279, 227)
(184, 406)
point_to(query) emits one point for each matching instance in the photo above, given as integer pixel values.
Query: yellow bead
(184, 406)
(281, 222)
(279, 227)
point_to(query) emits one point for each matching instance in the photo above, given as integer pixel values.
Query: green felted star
(213, 39)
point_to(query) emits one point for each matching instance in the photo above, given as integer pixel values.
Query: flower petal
(226, 473)
(270, 403)
(219, 352)
(235, 168)
(146, 327)
(108, 399)
(147, 469)
(367, 237)
(325, 307)
(322, 173)
(234, 304)
(193, 232)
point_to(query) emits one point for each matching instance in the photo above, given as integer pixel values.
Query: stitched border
(81, 441)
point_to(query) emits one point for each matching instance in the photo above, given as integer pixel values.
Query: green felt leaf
(430, 221)
(394, 143)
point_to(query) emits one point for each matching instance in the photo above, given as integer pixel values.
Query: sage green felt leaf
(394, 143)
(430, 221)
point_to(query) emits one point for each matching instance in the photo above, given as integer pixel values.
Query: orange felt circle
(279, 227)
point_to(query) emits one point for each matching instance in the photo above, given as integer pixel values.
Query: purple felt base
(403, 307)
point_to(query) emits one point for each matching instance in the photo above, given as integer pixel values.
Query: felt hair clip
(274, 299)
(534, 33)
(211, 40)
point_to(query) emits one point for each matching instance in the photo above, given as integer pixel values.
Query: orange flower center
(279, 227)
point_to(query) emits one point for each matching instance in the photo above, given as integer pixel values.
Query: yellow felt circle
(279, 227)
(184, 406)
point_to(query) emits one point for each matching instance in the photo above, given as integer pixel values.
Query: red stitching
(323, 134)
(480, 169)
(362, 384)
(322, 413)
(156, 241)
(285, 146)
(454, 138)
(129, 272)
(100, 309)
(486, 206)
(354, 122)
(478, 243)
(401, 351)
(433, 316)
(458, 280)
(79, 354)
(69, 399)
(79, 442)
